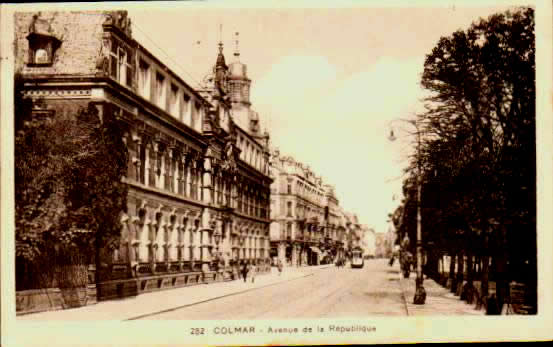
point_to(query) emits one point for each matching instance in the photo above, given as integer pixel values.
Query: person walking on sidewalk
(253, 271)
(279, 266)
(245, 270)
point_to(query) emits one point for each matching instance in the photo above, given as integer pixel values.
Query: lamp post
(217, 237)
(420, 293)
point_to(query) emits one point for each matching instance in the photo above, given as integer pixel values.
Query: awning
(315, 249)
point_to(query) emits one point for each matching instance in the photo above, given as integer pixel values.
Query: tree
(479, 128)
(68, 187)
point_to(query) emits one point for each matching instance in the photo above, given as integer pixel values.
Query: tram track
(172, 309)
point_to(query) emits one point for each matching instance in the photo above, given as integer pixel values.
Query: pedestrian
(253, 272)
(279, 266)
(244, 270)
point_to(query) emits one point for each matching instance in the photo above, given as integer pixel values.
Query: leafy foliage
(68, 183)
(478, 156)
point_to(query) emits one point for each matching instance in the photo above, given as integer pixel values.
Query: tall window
(142, 158)
(144, 79)
(193, 183)
(195, 122)
(227, 193)
(221, 189)
(168, 173)
(185, 179)
(255, 203)
(114, 60)
(289, 188)
(289, 209)
(152, 168)
(240, 197)
(185, 111)
(288, 230)
(121, 63)
(174, 101)
(248, 202)
(160, 90)
(180, 176)
(193, 115)
(216, 190)
(126, 66)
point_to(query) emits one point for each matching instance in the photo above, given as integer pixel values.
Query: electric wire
(198, 84)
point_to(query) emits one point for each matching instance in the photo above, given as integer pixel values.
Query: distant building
(384, 243)
(334, 226)
(298, 200)
(369, 241)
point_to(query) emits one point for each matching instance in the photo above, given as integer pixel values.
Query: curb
(403, 294)
(211, 299)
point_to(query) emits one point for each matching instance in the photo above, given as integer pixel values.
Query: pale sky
(326, 82)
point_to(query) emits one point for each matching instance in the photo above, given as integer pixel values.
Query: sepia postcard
(276, 172)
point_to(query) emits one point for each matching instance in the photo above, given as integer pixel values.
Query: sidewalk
(168, 300)
(439, 300)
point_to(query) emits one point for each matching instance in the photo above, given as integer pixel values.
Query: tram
(357, 258)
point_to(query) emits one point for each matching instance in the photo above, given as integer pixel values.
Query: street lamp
(420, 293)
(217, 237)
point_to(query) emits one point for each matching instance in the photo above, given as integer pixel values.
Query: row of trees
(477, 157)
(68, 191)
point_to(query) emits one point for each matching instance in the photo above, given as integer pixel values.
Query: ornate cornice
(58, 93)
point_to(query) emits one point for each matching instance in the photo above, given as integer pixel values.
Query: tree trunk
(452, 270)
(501, 271)
(97, 264)
(484, 281)
(460, 272)
(468, 289)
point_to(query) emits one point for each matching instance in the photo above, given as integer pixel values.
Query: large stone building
(307, 227)
(335, 228)
(384, 244)
(198, 165)
(369, 241)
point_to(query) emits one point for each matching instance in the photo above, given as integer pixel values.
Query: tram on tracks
(357, 260)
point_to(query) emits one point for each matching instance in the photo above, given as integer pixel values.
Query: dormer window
(42, 56)
(42, 43)
(121, 63)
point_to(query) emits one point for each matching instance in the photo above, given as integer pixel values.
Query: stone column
(167, 233)
(190, 257)
(207, 173)
(133, 239)
(136, 158)
(187, 179)
(175, 170)
(179, 174)
(281, 251)
(152, 245)
(144, 250)
(161, 181)
(161, 249)
(147, 164)
(180, 245)
(294, 255)
(156, 164)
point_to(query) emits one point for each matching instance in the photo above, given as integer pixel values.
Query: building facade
(308, 227)
(198, 170)
(335, 229)
(369, 241)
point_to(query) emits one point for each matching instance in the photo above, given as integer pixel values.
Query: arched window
(41, 56)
